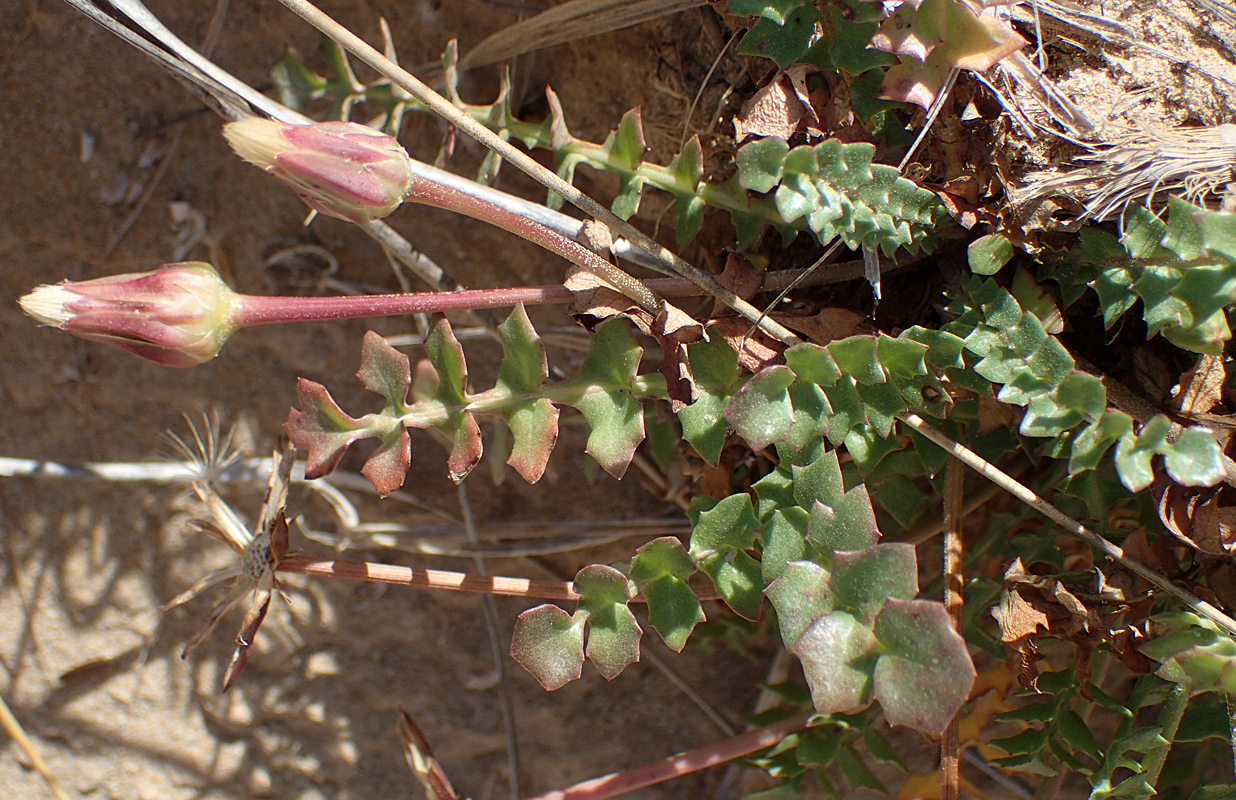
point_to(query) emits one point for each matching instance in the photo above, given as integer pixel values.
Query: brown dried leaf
(1200, 388)
(826, 325)
(421, 759)
(781, 108)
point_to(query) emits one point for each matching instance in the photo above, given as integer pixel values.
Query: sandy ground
(88, 125)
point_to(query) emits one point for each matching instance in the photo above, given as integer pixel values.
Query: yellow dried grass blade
(567, 22)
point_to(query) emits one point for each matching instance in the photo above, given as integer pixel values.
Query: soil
(90, 125)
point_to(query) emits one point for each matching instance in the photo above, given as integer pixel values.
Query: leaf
(784, 538)
(838, 654)
(718, 545)
(926, 673)
(858, 358)
(534, 421)
(989, 253)
(660, 570)
(850, 525)
(319, 427)
(856, 771)
(613, 633)
(1195, 459)
(784, 43)
(446, 355)
(760, 164)
(602, 393)
(863, 580)
(549, 644)
(761, 411)
(776, 10)
(813, 363)
(800, 596)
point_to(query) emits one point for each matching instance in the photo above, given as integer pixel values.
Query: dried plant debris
(1139, 98)
(1139, 165)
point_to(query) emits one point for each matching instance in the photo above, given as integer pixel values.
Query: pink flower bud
(177, 315)
(341, 169)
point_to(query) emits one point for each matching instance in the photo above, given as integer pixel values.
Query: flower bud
(341, 169)
(177, 315)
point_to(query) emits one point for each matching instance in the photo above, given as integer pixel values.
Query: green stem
(1169, 720)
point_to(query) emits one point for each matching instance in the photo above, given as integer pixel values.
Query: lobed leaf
(549, 644)
(926, 672)
(660, 570)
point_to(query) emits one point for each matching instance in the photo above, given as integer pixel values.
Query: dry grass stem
(1138, 165)
(954, 603)
(15, 731)
(568, 22)
(1022, 493)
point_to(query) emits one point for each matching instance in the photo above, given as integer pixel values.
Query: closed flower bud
(178, 315)
(341, 169)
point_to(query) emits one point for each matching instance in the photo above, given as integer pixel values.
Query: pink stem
(370, 572)
(682, 764)
(440, 196)
(258, 310)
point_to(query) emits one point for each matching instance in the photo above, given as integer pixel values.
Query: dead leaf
(759, 350)
(781, 108)
(1201, 388)
(936, 37)
(993, 415)
(1194, 517)
(826, 325)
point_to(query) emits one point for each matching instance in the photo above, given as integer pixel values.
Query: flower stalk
(181, 314)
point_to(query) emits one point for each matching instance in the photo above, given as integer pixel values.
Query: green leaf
(863, 580)
(1218, 232)
(857, 357)
(850, 525)
(602, 393)
(613, 633)
(1076, 733)
(856, 771)
(704, 425)
(460, 428)
(729, 525)
(1094, 440)
(812, 363)
(820, 481)
(989, 253)
(775, 10)
(761, 411)
(761, 162)
(775, 490)
(784, 537)
(926, 673)
(549, 644)
(800, 595)
(785, 43)
(838, 654)
(811, 414)
(718, 545)
(1195, 459)
(533, 421)
(737, 578)
(660, 570)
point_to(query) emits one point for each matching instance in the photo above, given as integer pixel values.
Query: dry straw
(1139, 165)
